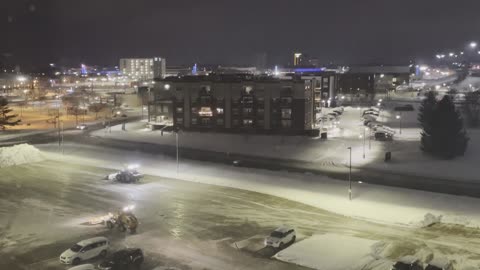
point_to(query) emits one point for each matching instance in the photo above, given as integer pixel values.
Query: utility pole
(350, 176)
(364, 142)
(176, 142)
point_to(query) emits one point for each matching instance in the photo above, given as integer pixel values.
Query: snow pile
(331, 252)
(431, 219)
(19, 154)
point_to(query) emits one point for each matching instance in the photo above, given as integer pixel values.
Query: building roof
(379, 69)
(220, 78)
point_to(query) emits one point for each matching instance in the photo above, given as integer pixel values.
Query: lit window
(220, 110)
(205, 111)
(286, 113)
(247, 122)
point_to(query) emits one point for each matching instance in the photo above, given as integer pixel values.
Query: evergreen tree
(425, 117)
(6, 118)
(448, 136)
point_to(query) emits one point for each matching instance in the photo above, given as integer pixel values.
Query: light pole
(63, 148)
(364, 130)
(399, 117)
(369, 139)
(176, 143)
(350, 176)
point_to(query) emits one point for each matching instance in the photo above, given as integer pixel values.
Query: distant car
(404, 108)
(123, 259)
(82, 126)
(280, 237)
(237, 162)
(83, 267)
(84, 250)
(383, 136)
(337, 111)
(375, 113)
(407, 263)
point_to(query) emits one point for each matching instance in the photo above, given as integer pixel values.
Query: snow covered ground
(333, 252)
(393, 206)
(371, 202)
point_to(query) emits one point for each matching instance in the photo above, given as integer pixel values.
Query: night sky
(225, 31)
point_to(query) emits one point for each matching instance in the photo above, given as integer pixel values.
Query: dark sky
(227, 31)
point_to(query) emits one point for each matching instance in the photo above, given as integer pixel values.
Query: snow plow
(123, 220)
(128, 175)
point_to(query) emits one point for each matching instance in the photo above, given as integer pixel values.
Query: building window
(205, 121)
(194, 121)
(220, 121)
(286, 113)
(247, 111)
(247, 122)
(165, 109)
(235, 122)
(286, 101)
(180, 121)
(235, 111)
(286, 123)
(205, 112)
(260, 123)
(194, 110)
(219, 110)
(179, 109)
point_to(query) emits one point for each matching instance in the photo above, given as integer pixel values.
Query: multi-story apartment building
(237, 103)
(143, 68)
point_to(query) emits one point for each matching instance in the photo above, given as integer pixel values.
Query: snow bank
(19, 154)
(331, 252)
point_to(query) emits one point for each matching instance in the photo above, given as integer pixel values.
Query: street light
(177, 130)
(399, 117)
(473, 44)
(350, 176)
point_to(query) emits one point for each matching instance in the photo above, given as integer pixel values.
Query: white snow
(331, 252)
(381, 204)
(19, 154)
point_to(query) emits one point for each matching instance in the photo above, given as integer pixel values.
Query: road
(44, 207)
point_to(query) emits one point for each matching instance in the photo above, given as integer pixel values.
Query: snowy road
(190, 225)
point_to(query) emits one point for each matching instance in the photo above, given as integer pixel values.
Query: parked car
(280, 237)
(338, 112)
(84, 250)
(82, 126)
(407, 263)
(123, 259)
(404, 108)
(439, 264)
(383, 136)
(375, 113)
(83, 267)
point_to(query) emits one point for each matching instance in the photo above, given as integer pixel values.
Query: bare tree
(96, 108)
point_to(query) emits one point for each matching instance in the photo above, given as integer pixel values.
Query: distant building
(297, 59)
(374, 79)
(143, 68)
(234, 103)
